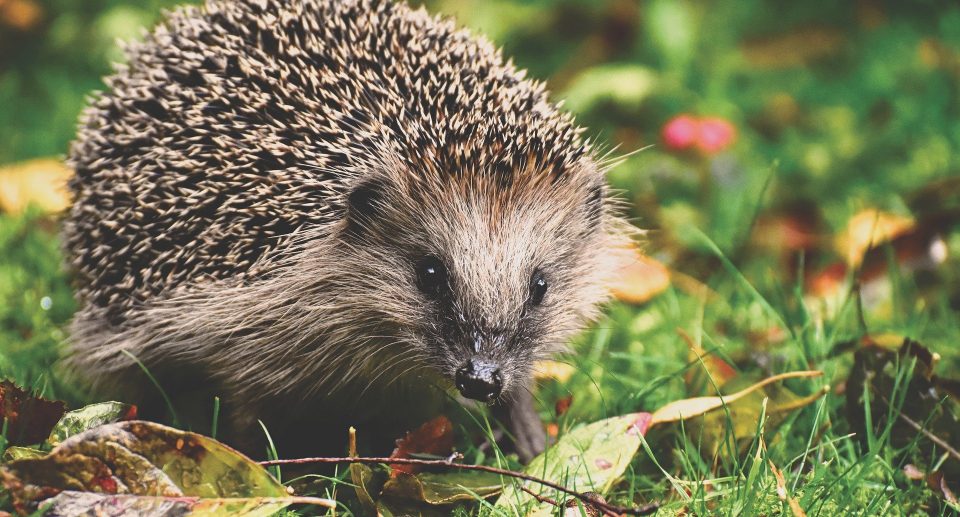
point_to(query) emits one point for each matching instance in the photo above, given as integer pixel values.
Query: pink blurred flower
(709, 135)
(716, 134)
(681, 132)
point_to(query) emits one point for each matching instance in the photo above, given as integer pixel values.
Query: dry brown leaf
(42, 182)
(718, 372)
(562, 405)
(638, 278)
(937, 482)
(783, 494)
(27, 418)
(433, 437)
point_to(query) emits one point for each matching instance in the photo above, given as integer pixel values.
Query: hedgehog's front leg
(519, 417)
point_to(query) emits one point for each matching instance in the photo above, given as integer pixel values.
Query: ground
(796, 169)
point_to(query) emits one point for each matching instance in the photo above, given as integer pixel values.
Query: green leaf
(447, 488)
(587, 459)
(88, 417)
(363, 481)
(17, 453)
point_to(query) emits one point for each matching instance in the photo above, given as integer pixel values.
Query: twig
(540, 498)
(933, 438)
(592, 507)
(607, 508)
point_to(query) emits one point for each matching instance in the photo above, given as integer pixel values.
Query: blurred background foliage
(775, 151)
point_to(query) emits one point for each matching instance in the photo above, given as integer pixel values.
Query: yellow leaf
(41, 182)
(866, 230)
(696, 406)
(638, 278)
(561, 372)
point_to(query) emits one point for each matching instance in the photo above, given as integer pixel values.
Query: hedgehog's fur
(253, 187)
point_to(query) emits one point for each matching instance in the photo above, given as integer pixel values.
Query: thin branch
(540, 498)
(933, 438)
(607, 508)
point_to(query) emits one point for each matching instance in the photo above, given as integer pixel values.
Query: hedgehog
(330, 213)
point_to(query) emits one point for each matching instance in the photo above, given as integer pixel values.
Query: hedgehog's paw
(525, 434)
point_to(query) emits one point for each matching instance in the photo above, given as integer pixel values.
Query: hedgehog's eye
(538, 287)
(431, 275)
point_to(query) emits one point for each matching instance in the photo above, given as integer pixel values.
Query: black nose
(479, 379)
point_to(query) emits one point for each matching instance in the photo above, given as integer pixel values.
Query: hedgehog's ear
(364, 203)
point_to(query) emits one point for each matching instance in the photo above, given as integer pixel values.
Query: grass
(634, 360)
(838, 108)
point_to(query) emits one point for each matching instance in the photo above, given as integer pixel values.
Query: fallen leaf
(29, 418)
(938, 483)
(738, 421)
(88, 417)
(638, 278)
(434, 438)
(444, 488)
(138, 458)
(555, 370)
(868, 229)
(921, 403)
(783, 494)
(365, 485)
(712, 371)
(912, 472)
(696, 406)
(70, 502)
(17, 453)
(42, 182)
(363, 477)
(572, 461)
(402, 492)
(920, 248)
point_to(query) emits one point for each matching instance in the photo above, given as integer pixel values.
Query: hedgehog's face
(481, 280)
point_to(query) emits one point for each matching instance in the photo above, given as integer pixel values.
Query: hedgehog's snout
(479, 379)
